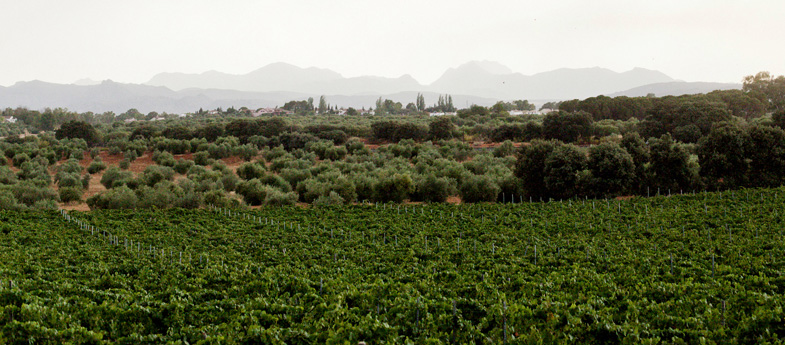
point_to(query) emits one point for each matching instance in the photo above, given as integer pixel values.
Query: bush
(28, 193)
(279, 198)
(156, 173)
(77, 129)
(434, 189)
(8, 201)
(86, 181)
(250, 171)
(247, 152)
(163, 158)
(68, 180)
(229, 181)
(332, 199)
(115, 177)
(96, 165)
(7, 176)
(183, 165)
(116, 198)
(253, 191)
(125, 164)
(479, 188)
(504, 150)
(395, 188)
(69, 194)
(20, 158)
(202, 158)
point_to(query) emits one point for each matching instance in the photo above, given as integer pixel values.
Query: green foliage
(70, 194)
(115, 177)
(120, 197)
(562, 168)
(612, 170)
(124, 164)
(567, 127)
(97, 165)
(479, 188)
(530, 167)
(249, 171)
(183, 165)
(505, 149)
(441, 128)
(77, 129)
(393, 187)
(332, 199)
(722, 157)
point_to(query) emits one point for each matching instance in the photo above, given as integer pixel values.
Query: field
(703, 268)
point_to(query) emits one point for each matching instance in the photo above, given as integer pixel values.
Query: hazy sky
(130, 41)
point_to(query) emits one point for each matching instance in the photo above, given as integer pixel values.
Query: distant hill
(472, 78)
(480, 78)
(117, 97)
(476, 82)
(676, 88)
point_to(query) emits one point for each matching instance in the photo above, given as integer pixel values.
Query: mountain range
(476, 82)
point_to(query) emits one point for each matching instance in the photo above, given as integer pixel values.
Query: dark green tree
(612, 169)
(530, 166)
(562, 167)
(78, 129)
(723, 162)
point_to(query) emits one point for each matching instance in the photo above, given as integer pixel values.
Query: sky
(131, 41)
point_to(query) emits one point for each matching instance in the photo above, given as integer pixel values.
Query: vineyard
(681, 269)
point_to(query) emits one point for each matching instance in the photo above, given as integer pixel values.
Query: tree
(636, 147)
(562, 167)
(567, 126)
(670, 167)
(322, 105)
(530, 166)
(441, 128)
(78, 129)
(767, 88)
(765, 150)
(420, 103)
(612, 169)
(722, 156)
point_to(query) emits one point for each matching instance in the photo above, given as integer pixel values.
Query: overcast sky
(130, 41)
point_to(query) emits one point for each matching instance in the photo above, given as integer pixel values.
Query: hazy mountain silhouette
(476, 82)
(481, 78)
(472, 78)
(118, 97)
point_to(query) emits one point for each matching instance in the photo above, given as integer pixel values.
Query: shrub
(183, 165)
(8, 201)
(68, 180)
(479, 188)
(69, 194)
(434, 189)
(28, 193)
(394, 187)
(116, 198)
(20, 158)
(163, 158)
(45, 205)
(97, 165)
(202, 158)
(505, 149)
(253, 191)
(156, 173)
(131, 155)
(279, 198)
(114, 176)
(294, 176)
(247, 152)
(125, 164)
(250, 171)
(7, 176)
(86, 181)
(332, 199)
(229, 181)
